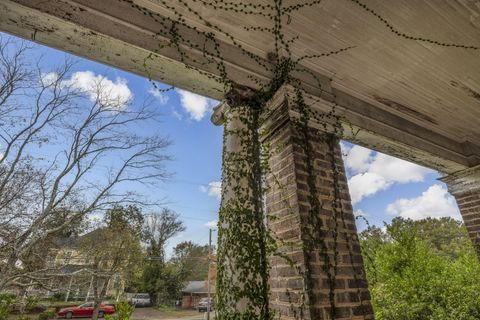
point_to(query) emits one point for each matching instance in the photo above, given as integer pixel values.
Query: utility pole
(209, 263)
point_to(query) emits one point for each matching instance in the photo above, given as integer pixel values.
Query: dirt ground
(154, 314)
(147, 314)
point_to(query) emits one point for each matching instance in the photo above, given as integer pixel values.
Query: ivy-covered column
(465, 187)
(242, 276)
(318, 270)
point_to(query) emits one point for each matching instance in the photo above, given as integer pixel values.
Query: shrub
(58, 296)
(31, 303)
(123, 311)
(6, 305)
(412, 280)
(47, 315)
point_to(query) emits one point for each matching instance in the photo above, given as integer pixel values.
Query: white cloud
(211, 224)
(195, 105)
(180, 235)
(344, 151)
(366, 184)
(397, 170)
(115, 94)
(213, 189)
(358, 159)
(94, 219)
(160, 96)
(435, 202)
(49, 79)
(373, 171)
(176, 114)
(360, 213)
(99, 86)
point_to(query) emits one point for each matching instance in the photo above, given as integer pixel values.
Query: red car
(85, 311)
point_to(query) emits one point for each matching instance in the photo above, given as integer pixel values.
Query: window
(67, 257)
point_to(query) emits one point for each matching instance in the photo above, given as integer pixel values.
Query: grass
(171, 311)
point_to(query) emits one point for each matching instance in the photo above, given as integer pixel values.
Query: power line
(196, 218)
(196, 183)
(196, 208)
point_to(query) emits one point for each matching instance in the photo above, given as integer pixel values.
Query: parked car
(203, 305)
(139, 299)
(85, 311)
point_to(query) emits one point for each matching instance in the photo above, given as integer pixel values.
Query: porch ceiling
(413, 99)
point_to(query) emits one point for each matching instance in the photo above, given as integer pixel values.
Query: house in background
(194, 291)
(74, 271)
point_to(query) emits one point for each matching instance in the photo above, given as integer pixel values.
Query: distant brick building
(193, 292)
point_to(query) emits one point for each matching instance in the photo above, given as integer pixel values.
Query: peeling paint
(472, 93)
(404, 109)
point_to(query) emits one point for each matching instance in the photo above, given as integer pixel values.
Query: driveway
(155, 314)
(146, 314)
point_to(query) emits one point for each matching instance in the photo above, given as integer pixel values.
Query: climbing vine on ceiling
(243, 217)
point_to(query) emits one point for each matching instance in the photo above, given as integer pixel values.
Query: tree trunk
(98, 295)
(7, 271)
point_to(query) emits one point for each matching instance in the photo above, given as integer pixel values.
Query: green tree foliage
(114, 250)
(6, 305)
(165, 279)
(128, 218)
(192, 259)
(161, 279)
(123, 311)
(420, 270)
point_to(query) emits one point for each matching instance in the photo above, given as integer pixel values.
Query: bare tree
(158, 229)
(64, 148)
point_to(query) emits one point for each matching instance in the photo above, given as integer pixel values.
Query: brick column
(465, 187)
(320, 273)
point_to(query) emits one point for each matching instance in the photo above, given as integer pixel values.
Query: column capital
(283, 107)
(220, 113)
(464, 181)
(238, 95)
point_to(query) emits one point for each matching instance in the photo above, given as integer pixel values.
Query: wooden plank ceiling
(435, 86)
(422, 88)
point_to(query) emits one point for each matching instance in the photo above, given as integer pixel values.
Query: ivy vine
(245, 244)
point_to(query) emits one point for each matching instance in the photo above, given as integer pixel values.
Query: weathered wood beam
(96, 36)
(109, 31)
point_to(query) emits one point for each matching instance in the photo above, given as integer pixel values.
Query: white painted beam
(110, 32)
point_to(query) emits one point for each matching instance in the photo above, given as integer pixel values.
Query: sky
(381, 187)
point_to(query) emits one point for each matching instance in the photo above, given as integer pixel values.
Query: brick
(469, 205)
(320, 230)
(361, 310)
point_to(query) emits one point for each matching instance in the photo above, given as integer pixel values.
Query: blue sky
(381, 186)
